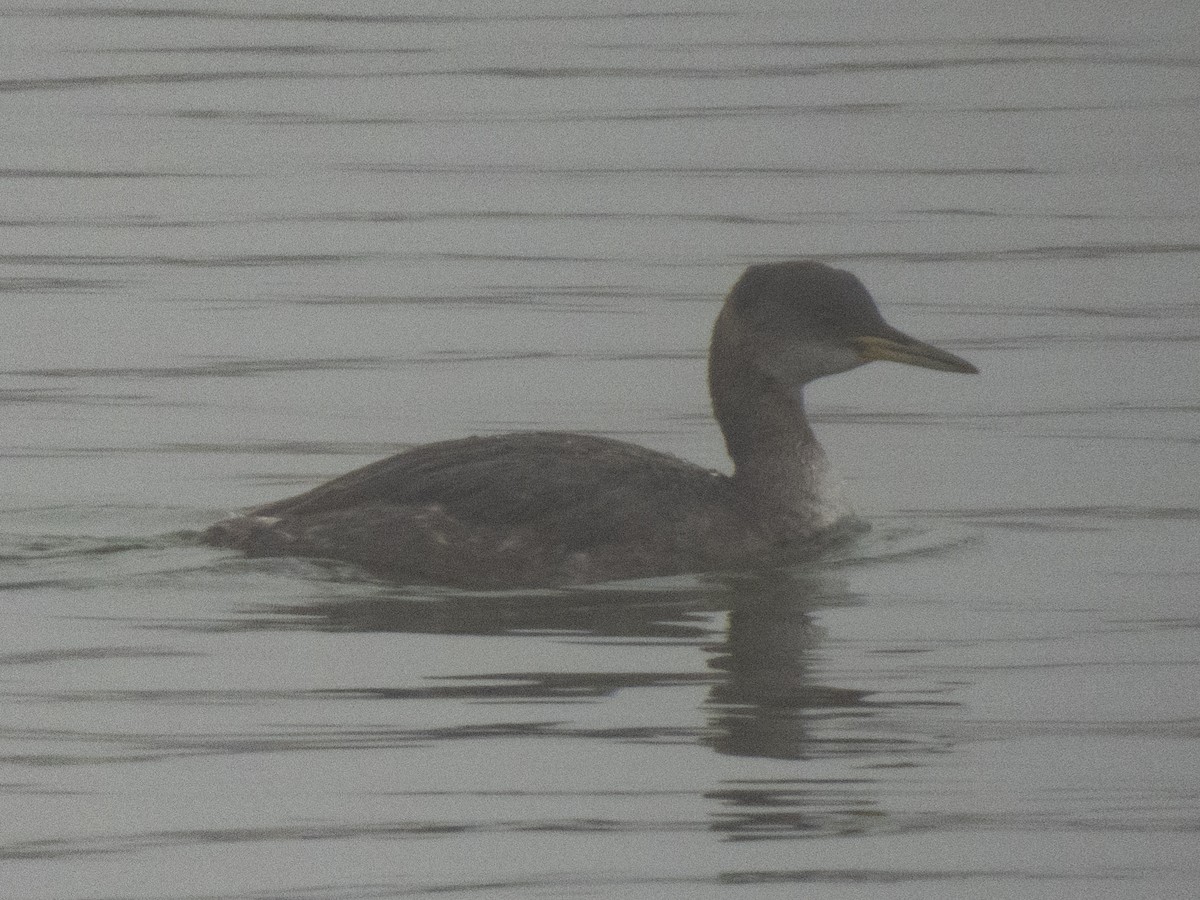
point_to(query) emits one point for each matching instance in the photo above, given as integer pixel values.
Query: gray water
(246, 247)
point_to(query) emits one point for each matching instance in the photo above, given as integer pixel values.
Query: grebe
(546, 508)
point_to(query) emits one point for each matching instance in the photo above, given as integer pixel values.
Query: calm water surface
(250, 246)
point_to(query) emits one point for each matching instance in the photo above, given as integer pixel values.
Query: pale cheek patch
(801, 363)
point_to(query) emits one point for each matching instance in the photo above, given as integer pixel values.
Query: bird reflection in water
(761, 648)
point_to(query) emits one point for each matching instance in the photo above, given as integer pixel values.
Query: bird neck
(778, 464)
(777, 461)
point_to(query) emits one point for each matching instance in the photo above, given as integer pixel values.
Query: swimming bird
(546, 508)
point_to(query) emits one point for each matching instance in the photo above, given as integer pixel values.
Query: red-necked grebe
(543, 508)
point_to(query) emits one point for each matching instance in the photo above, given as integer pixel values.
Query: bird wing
(578, 486)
